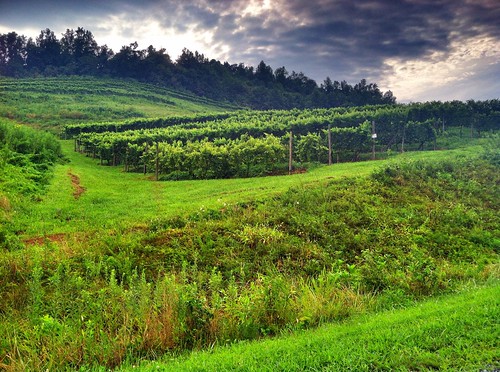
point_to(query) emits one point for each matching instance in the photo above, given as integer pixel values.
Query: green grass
(113, 198)
(458, 332)
(134, 268)
(324, 249)
(52, 102)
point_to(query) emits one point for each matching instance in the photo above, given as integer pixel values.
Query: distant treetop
(77, 53)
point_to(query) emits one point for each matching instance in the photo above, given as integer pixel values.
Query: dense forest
(261, 87)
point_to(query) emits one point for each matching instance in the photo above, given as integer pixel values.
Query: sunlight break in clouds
(118, 31)
(451, 72)
(256, 7)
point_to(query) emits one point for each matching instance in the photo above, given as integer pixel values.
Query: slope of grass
(112, 267)
(53, 102)
(114, 198)
(322, 250)
(458, 332)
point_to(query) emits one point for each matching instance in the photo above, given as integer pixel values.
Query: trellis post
(157, 162)
(329, 144)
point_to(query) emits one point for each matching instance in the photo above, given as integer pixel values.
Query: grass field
(459, 332)
(107, 269)
(113, 198)
(50, 103)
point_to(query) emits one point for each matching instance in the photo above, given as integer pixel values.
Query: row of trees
(393, 124)
(77, 53)
(476, 116)
(245, 157)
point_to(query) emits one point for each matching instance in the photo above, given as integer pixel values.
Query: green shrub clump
(26, 160)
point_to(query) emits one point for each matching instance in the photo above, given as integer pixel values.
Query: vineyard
(101, 268)
(256, 143)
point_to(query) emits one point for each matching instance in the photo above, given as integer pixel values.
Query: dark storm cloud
(352, 40)
(26, 13)
(353, 34)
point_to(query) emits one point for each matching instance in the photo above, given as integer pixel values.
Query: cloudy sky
(420, 49)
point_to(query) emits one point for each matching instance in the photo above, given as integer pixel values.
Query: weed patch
(314, 254)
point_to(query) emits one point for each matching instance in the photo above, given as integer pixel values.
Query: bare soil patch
(41, 240)
(77, 187)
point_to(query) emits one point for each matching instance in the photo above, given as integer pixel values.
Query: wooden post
(290, 146)
(374, 136)
(329, 144)
(145, 165)
(157, 161)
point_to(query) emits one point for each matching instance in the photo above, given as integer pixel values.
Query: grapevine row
(180, 146)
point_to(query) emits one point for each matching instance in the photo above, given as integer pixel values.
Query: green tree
(264, 72)
(44, 55)
(13, 54)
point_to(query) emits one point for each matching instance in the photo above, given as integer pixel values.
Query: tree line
(213, 149)
(76, 52)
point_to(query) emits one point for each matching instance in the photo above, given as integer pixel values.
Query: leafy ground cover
(113, 198)
(26, 161)
(311, 253)
(99, 267)
(457, 332)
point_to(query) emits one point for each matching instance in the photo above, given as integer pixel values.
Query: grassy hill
(113, 199)
(53, 102)
(99, 267)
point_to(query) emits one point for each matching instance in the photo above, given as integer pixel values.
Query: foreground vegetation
(246, 270)
(27, 158)
(457, 332)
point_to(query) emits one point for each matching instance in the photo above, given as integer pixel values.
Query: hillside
(259, 87)
(102, 267)
(53, 102)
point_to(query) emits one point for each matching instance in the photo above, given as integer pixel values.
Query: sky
(421, 50)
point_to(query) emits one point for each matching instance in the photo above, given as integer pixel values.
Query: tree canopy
(78, 53)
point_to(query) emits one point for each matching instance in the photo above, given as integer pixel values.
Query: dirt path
(75, 182)
(41, 240)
